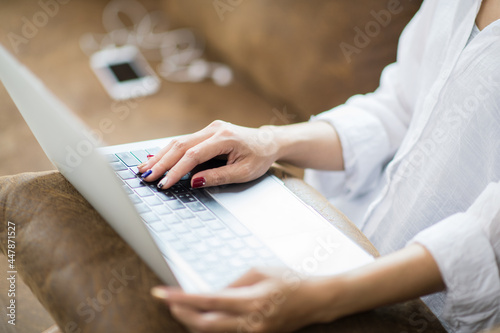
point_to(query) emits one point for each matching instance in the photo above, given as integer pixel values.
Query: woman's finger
(198, 321)
(170, 155)
(194, 156)
(228, 300)
(181, 143)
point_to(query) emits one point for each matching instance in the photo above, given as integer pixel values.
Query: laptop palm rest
(300, 237)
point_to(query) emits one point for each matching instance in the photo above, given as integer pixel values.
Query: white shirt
(422, 158)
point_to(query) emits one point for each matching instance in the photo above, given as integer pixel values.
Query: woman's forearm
(313, 145)
(401, 276)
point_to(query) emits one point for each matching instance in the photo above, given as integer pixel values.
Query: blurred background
(52, 51)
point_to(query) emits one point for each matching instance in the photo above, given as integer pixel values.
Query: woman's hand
(250, 152)
(275, 300)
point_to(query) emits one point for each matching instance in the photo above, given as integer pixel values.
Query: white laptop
(201, 240)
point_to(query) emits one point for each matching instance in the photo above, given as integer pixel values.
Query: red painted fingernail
(149, 156)
(199, 182)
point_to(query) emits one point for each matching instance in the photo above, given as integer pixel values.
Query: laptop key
(190, 238)
(184, 214)
(141, 155)
(179, 228)
(143, 191)
(127, 189)
(178, 189)
(128, 158)
(206, 216)
(190, 256)
(171, 219)
(178, 245)
(200, 247)
(211, 258)
(135, 199)
(142, 208)
(125, 174)
(195, 224)
(166, 196)
(203, 233)
(159, 227)
(186, 197)
(150, 217)
(153, 201)
(174, 205)
(214, 242)
(118, 166)
(195, 206)
(162, 210)
(111, 158)
(135, 183)
(167, 235)
(199, 266)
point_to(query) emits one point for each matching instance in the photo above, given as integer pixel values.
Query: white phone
(124, 72)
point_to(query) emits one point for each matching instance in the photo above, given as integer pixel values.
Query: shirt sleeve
(466, 247)
(371, 127)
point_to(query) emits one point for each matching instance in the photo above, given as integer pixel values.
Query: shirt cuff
(466, 260)
(365, 147)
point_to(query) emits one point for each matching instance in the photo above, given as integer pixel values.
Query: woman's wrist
(327, 297)
(308, 145)
(404, 275)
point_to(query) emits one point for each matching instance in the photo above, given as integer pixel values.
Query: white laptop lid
(62, 137)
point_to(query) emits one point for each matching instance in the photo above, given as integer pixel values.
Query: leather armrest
(82, 272)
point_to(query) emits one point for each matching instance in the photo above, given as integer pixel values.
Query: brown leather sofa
(306, 55)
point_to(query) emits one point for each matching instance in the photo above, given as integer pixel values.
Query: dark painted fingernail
(149, 156)
(147, 173)
(199, 182)
(161, 183)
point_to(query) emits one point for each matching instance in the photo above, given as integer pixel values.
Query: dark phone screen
(124, 72)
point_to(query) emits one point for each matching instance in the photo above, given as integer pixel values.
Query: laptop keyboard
(188, 221)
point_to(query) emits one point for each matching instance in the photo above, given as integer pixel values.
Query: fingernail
(141, 165)
(149, 156)
(199, 182)
(159, 292)
(146, 174)
(162, 183)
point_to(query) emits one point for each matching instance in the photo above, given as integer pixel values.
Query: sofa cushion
(306, 55)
